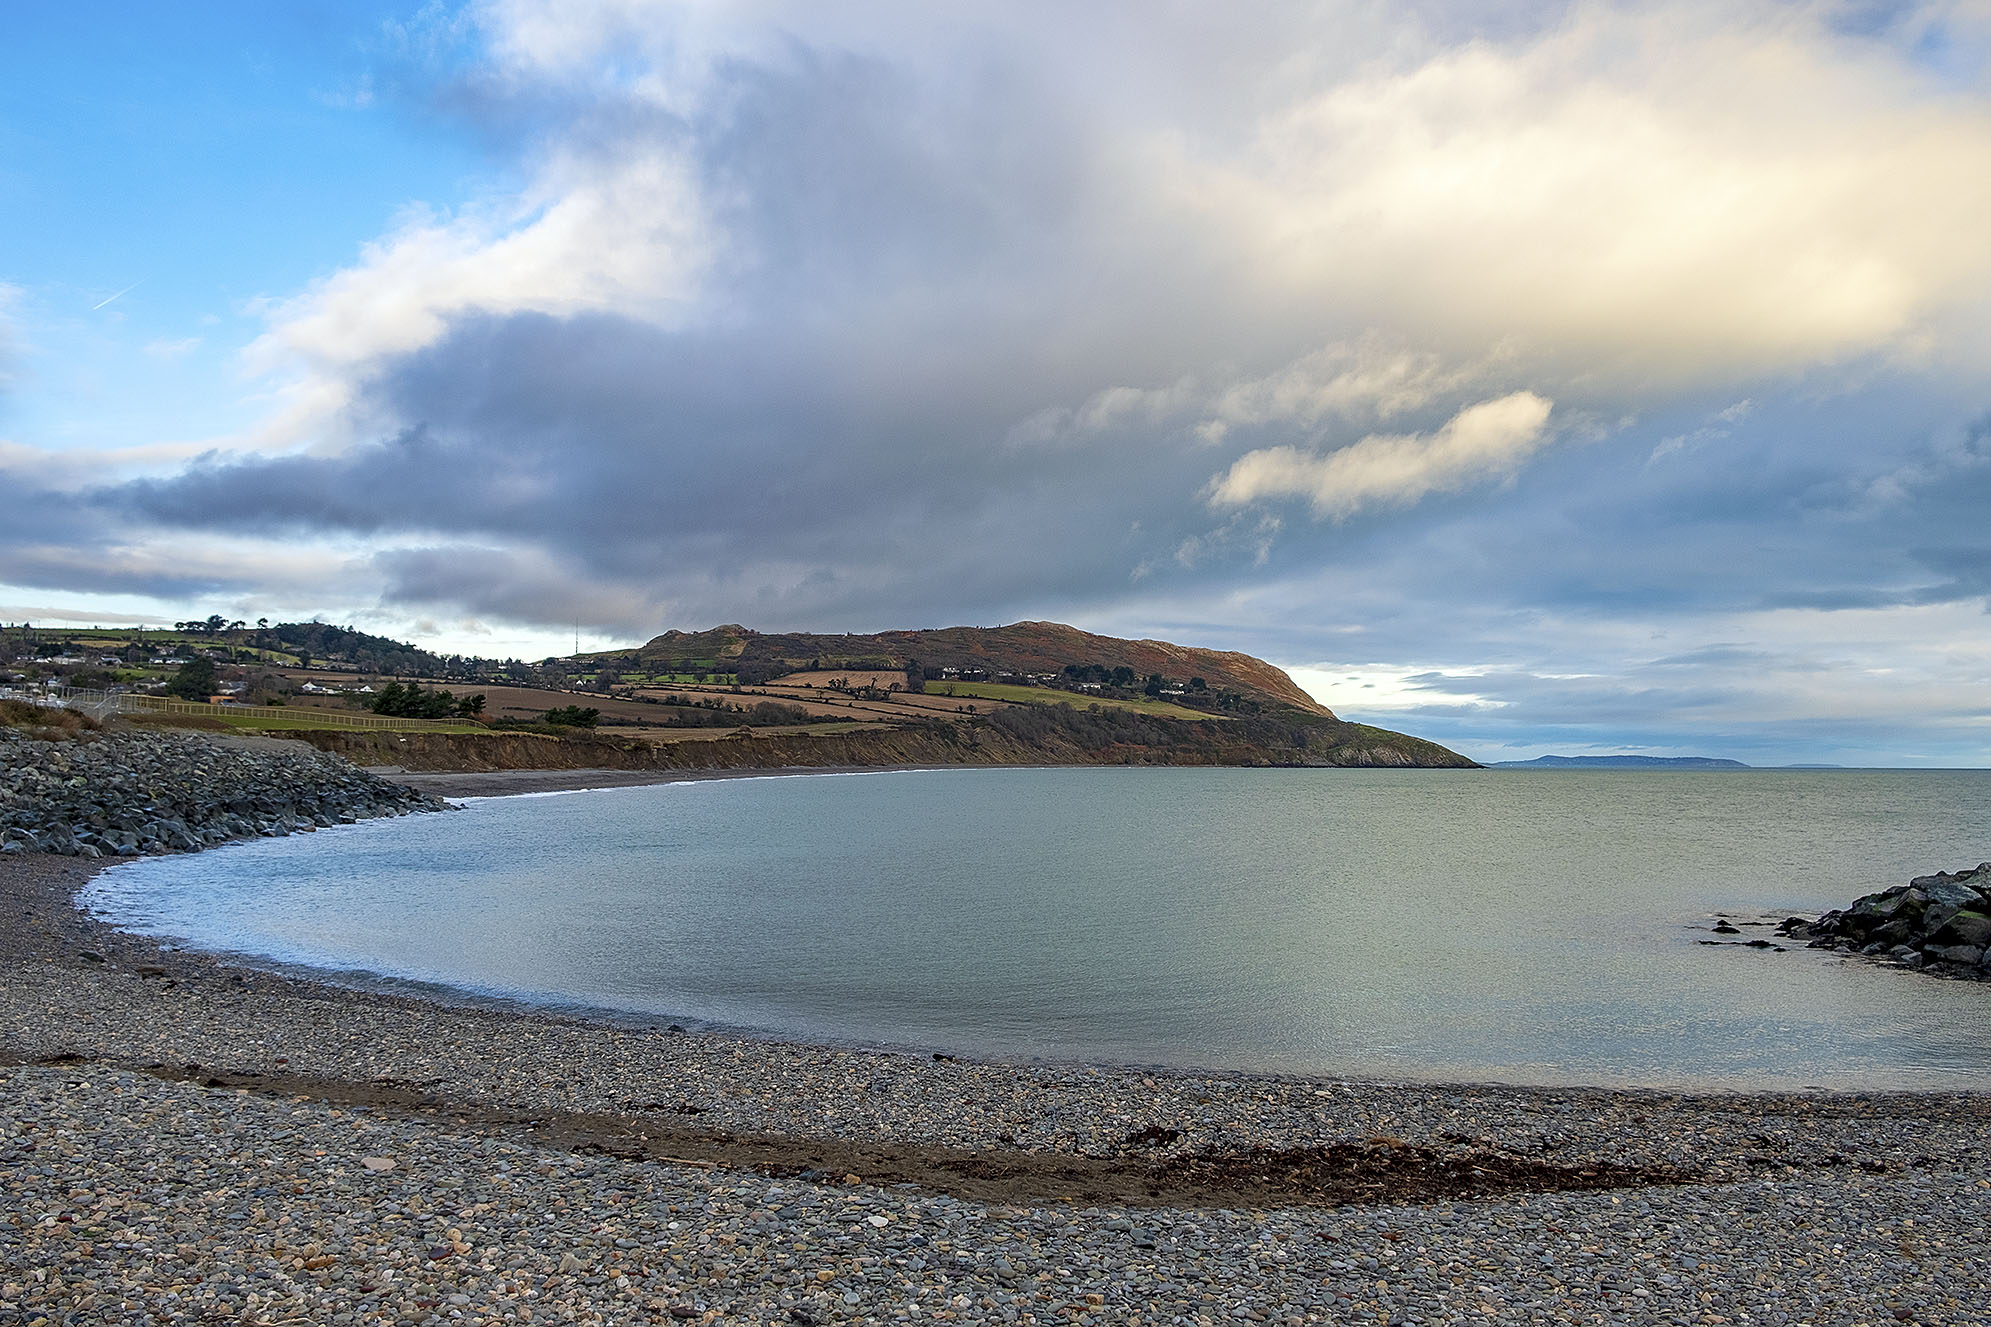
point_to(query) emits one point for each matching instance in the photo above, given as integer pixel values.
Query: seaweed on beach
(1392, 1170)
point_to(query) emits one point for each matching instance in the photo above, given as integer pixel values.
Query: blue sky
(1568, 377)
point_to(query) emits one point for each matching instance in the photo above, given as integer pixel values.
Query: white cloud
(1354, 690)
(1481, 442)
(624, 235)
(1669, 194)
(1374, 376)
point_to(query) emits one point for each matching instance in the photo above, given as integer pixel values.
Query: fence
(97, 704)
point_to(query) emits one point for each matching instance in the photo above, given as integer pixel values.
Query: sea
(1515, 926)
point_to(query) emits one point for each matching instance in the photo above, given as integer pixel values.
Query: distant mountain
(1620, 762)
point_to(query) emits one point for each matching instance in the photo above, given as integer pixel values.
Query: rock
(1954, 893)
(126, 793)
(379, 1165)
(1964, 928)
(1937, 914)
(1966, 956)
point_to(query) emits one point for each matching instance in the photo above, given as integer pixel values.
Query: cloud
(1481, 442)
(591, 234)
(1663, 194)
(874, 314)
(1653, 198)
(1374, 376)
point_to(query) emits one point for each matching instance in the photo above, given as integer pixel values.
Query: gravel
(190, 1141)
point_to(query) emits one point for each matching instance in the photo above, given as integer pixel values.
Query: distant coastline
(1639, 762)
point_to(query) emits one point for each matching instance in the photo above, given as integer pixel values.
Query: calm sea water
(1492, 925)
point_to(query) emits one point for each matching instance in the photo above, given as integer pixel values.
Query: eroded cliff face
(927, 744)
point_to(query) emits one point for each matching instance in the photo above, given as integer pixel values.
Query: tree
(470, 706)
(214, 624)
(1154, 685)
(573, 716)
(411, 702)
(194, 681)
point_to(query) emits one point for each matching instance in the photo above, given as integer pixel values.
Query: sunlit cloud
(1479, 443)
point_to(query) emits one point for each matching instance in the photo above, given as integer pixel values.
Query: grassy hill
(1027, 693)
(1026, 649)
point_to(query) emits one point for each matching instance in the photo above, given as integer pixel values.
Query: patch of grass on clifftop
(45, 723)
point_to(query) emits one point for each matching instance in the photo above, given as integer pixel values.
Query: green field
(1049, 696)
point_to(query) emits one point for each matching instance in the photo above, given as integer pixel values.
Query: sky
(1533, 377)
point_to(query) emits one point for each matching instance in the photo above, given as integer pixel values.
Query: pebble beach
(187, 1140)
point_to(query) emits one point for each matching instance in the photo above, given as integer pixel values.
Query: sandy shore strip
(187, 1140)
(513, 782)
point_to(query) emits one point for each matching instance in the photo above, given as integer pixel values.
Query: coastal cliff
(1040, 735)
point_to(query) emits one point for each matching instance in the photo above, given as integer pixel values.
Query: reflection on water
(1523, 926)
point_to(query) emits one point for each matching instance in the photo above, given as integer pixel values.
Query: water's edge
(97, 902)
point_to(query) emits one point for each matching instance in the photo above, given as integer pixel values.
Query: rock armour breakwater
(125, 794)
(1938, 923)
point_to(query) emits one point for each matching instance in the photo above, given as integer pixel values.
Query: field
(881, 678)
(1049, 696)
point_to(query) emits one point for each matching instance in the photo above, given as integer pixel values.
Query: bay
(1518, 926)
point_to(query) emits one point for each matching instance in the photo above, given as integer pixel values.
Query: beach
(188, 1138)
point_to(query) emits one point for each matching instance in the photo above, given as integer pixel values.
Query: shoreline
(460, 784)
(1153, 1191)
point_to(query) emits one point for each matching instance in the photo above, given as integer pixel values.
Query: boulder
(1954, 893)
(1963, 928)
(1940, 923)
